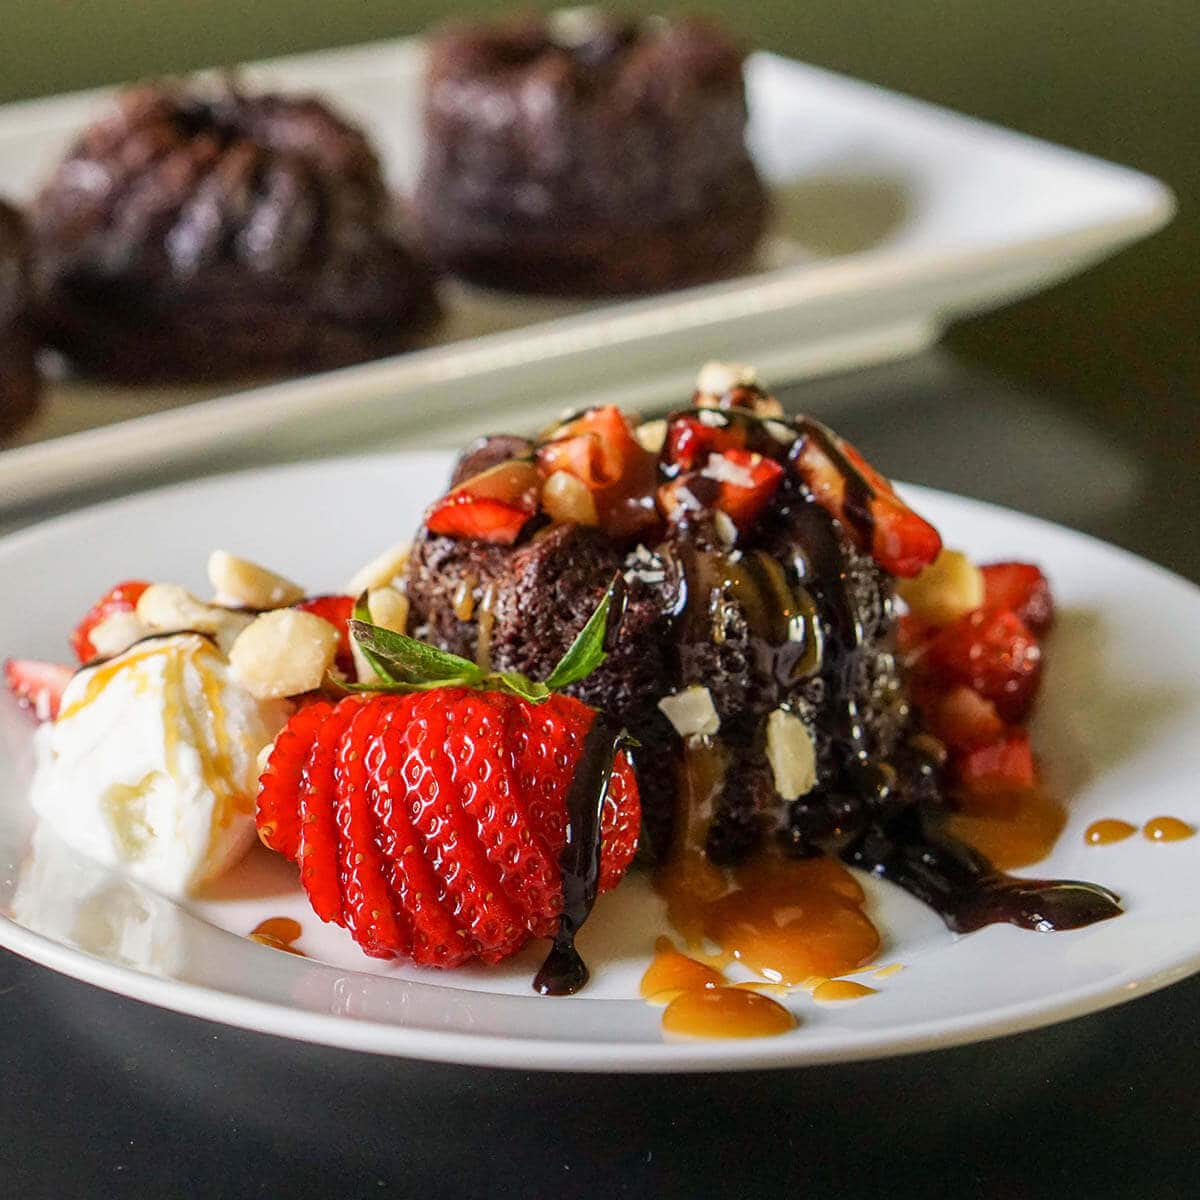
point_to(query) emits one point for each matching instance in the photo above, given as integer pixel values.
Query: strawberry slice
(122, 598)
(493, 506)
(900, 541)
(317, 852)
(279, 784)
(38, 686)
(337, 610)
(600, 450)
(1022, 588)
(367, 910)
(991, 651)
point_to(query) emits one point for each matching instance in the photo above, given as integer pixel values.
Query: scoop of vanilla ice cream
(151, 765)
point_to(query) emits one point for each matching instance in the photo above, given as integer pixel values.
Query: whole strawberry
(429, 815)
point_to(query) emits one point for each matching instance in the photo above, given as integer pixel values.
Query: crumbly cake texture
(20, 383)
(606, 157)
(189, 235)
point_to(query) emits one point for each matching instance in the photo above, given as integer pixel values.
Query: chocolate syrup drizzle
(809, 621)
(802, 617)
(564, 972)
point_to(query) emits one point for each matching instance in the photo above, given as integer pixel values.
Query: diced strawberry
(746, 481)
(912, 633)
(901, 541)
(962, 718)
(991, 651)
(1022, 588)
(38, 686)
(690, 440)
(337, 610)
(122, 598)
(493, 506)
(600, 450)
(992, 775)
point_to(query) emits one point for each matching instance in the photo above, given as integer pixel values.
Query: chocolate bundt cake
(593, 157)
(19, 380)
(190, 236)
(753, 653)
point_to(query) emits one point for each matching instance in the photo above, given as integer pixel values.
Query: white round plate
(1117, 729)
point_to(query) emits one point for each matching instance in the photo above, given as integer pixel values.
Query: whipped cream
(152, 764)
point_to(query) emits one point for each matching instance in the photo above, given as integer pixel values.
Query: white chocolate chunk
(692, 712)
(381, 570)
(791, 753)
(283, 653)
(949, 587)
(241, 583)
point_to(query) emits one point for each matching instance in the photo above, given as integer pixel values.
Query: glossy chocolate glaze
(878, 817)
(965, 890)
(564, 972)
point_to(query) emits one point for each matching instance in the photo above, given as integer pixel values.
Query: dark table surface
(1079, 406)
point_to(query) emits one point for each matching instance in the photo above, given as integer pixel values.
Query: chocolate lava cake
(588, 156)
(779, 608)
(19, 380)
(190, 235)
(753, 657)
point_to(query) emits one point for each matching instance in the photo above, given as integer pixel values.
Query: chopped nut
(283, 653)
(116, 633)
(388, 608)
(692, 712)
(169, 608)
(651, 435)
(567, 499)
(717, 378)
(791, 753)
(724, 528)
(241, 583)
(950, 587)
(381, 570)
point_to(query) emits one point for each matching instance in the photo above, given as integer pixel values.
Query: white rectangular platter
(891, 218)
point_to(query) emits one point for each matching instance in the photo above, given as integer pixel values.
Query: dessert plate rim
(554, 1048)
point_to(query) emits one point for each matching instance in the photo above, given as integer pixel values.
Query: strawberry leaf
(413, 663)
(587, 651)
(522, 686)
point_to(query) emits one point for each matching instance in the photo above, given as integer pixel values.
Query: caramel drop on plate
(1101, 833)
(842, 989)
(279, 933)
(1167, 829)
(726, 1012)
(671, 973)
(784, 919)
